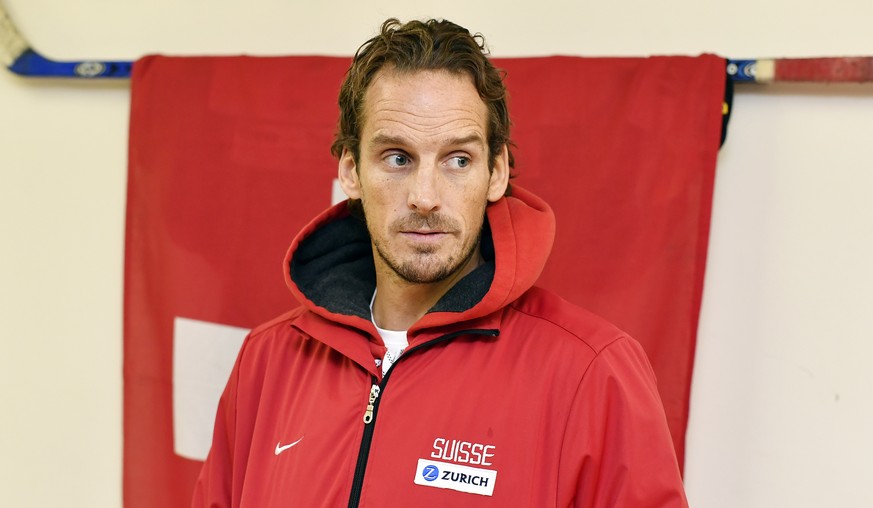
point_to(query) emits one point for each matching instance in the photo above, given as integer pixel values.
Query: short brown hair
(418, 46)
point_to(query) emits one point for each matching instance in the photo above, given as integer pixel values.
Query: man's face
(422, 174)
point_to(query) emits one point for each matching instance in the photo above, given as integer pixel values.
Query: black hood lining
(333, 267)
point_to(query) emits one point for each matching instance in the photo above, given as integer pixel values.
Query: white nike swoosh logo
(280, 449)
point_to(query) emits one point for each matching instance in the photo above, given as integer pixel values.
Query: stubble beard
(426, 267)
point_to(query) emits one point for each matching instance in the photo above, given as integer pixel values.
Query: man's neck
(399, 303)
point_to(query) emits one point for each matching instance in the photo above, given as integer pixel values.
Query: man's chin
(427, 264)
(417, 274)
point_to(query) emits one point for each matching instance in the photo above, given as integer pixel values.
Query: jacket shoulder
(280, 322)
(567, 319)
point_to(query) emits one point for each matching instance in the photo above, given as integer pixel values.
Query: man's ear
(499, 175)
(348, 175)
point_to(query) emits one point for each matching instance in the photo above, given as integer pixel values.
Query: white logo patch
(443, 475)
(280, 448)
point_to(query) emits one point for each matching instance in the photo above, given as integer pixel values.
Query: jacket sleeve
(617, 436)
(215, 486)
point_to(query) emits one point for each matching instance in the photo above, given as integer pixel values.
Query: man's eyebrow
(389, 140)
(465, 140)
(384, 139)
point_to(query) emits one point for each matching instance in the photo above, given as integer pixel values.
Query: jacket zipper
(373, 407)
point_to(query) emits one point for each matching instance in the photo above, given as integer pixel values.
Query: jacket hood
(329, 267)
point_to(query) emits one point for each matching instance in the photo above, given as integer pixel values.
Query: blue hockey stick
(17, 55)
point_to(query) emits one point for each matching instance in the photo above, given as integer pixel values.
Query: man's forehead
(427, 100)
(391, 72)
(390, 83)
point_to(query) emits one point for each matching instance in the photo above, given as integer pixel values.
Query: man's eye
(461, 161)
(397, 160)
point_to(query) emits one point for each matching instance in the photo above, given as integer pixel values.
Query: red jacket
(506, 396)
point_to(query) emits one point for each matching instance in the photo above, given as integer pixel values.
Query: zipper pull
(374, 394)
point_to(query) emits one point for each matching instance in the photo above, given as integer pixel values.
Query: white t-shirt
(395, 340)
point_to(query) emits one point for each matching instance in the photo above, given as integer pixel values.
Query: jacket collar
(329, 268)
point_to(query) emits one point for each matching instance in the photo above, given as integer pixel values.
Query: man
(423, 368)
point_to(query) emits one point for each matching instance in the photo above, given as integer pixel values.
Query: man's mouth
(424, 235)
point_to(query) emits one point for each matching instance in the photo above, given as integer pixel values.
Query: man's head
(419, 46)
(422, 162)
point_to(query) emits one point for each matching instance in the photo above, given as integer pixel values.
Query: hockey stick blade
(17, 55)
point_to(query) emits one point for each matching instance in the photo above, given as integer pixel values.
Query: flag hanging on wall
(229, 158)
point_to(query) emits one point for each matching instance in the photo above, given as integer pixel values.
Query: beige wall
(783, 394)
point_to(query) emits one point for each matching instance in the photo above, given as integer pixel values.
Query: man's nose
(424, 188)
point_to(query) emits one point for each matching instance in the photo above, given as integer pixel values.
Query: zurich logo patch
(430, 473)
